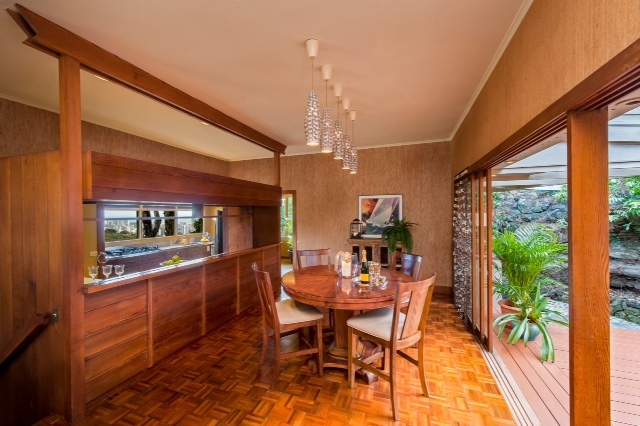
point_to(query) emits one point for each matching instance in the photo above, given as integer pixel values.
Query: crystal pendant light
(312, 119)
(346, 141)
(327, 123)
(353, 164)
(338, 150)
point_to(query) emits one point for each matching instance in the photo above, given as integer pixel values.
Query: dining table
(323, 287)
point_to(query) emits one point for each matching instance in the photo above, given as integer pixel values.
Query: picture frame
(377, 212)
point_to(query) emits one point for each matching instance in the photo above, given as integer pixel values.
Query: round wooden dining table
(321, 286)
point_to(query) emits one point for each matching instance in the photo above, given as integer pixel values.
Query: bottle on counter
(364, 268)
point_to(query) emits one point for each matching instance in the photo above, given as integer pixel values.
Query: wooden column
(589, 357)
(276, 168)
(72, 310)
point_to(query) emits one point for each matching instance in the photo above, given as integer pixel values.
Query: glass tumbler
(355, 266)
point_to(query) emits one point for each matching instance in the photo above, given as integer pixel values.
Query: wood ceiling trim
(55, 40)
(614, 80)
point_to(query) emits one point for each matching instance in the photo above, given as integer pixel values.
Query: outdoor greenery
(113, 235)
(523, 255)
(624, 199)
(286, 220)
(399, 232)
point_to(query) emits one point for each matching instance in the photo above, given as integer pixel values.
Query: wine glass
(93, 272)
(106, 271)
(119, 270)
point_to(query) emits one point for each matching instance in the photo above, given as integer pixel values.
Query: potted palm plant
(522, 257)
(399, 232)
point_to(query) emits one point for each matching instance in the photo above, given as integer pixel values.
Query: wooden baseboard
(444, 291)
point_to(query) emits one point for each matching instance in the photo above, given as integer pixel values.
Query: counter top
(101, 285)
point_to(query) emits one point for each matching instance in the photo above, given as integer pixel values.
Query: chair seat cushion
(377, 323)
(292, 312)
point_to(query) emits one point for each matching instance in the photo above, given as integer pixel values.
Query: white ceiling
(411, 68)
(544, 166)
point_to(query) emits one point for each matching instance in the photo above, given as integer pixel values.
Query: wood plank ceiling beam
(55, 40)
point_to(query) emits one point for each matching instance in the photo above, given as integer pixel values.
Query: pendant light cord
(312, 74)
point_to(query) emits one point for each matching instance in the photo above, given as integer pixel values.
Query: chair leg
(351, 354)
(265, 341)
(276, 358)
(423, 377)
(320, 347)
(392, 385)
(385, 360)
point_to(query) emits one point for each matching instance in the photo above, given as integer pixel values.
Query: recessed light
(101, 78)
(510, 162)
(205, 123)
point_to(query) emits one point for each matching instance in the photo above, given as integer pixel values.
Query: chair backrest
(267, 300)
(313, 257)
(419, 294)
(411, 265)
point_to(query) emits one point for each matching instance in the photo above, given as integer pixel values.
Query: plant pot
(290, 255)
(534, 331)
(506, 307)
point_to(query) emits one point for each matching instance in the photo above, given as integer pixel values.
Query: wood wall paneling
(113, 314)
(266, 226)
(177, 311)
(247, 290)
(108, 337)
(589, 342)
(221, 297)
(115, 337)
(31, 284)
(271, 264)
(119, 178)
(105, 382)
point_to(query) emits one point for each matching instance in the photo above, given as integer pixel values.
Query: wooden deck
(546, 385)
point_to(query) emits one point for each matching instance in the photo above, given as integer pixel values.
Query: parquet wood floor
(217, 381)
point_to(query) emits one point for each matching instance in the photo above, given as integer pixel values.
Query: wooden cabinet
(377, 251)
(130, 325)
(115, 337)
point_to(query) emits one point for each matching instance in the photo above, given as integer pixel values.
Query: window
(138, 223)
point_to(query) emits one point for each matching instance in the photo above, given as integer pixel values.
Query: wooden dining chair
(285, 318)
(315, 257)
(411, 265)
(394, 331)
(306, 258)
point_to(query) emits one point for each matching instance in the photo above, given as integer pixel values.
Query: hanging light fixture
(312, 119)
(353, 164)
(327, 123)
(346, 141)
(338, 149)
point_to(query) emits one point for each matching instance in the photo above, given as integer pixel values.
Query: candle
(346, 268)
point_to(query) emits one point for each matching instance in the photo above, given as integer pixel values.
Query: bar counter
(133, 321)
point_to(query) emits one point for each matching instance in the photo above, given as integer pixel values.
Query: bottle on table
(364, 268)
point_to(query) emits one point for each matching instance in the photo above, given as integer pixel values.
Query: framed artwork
(378, 212)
